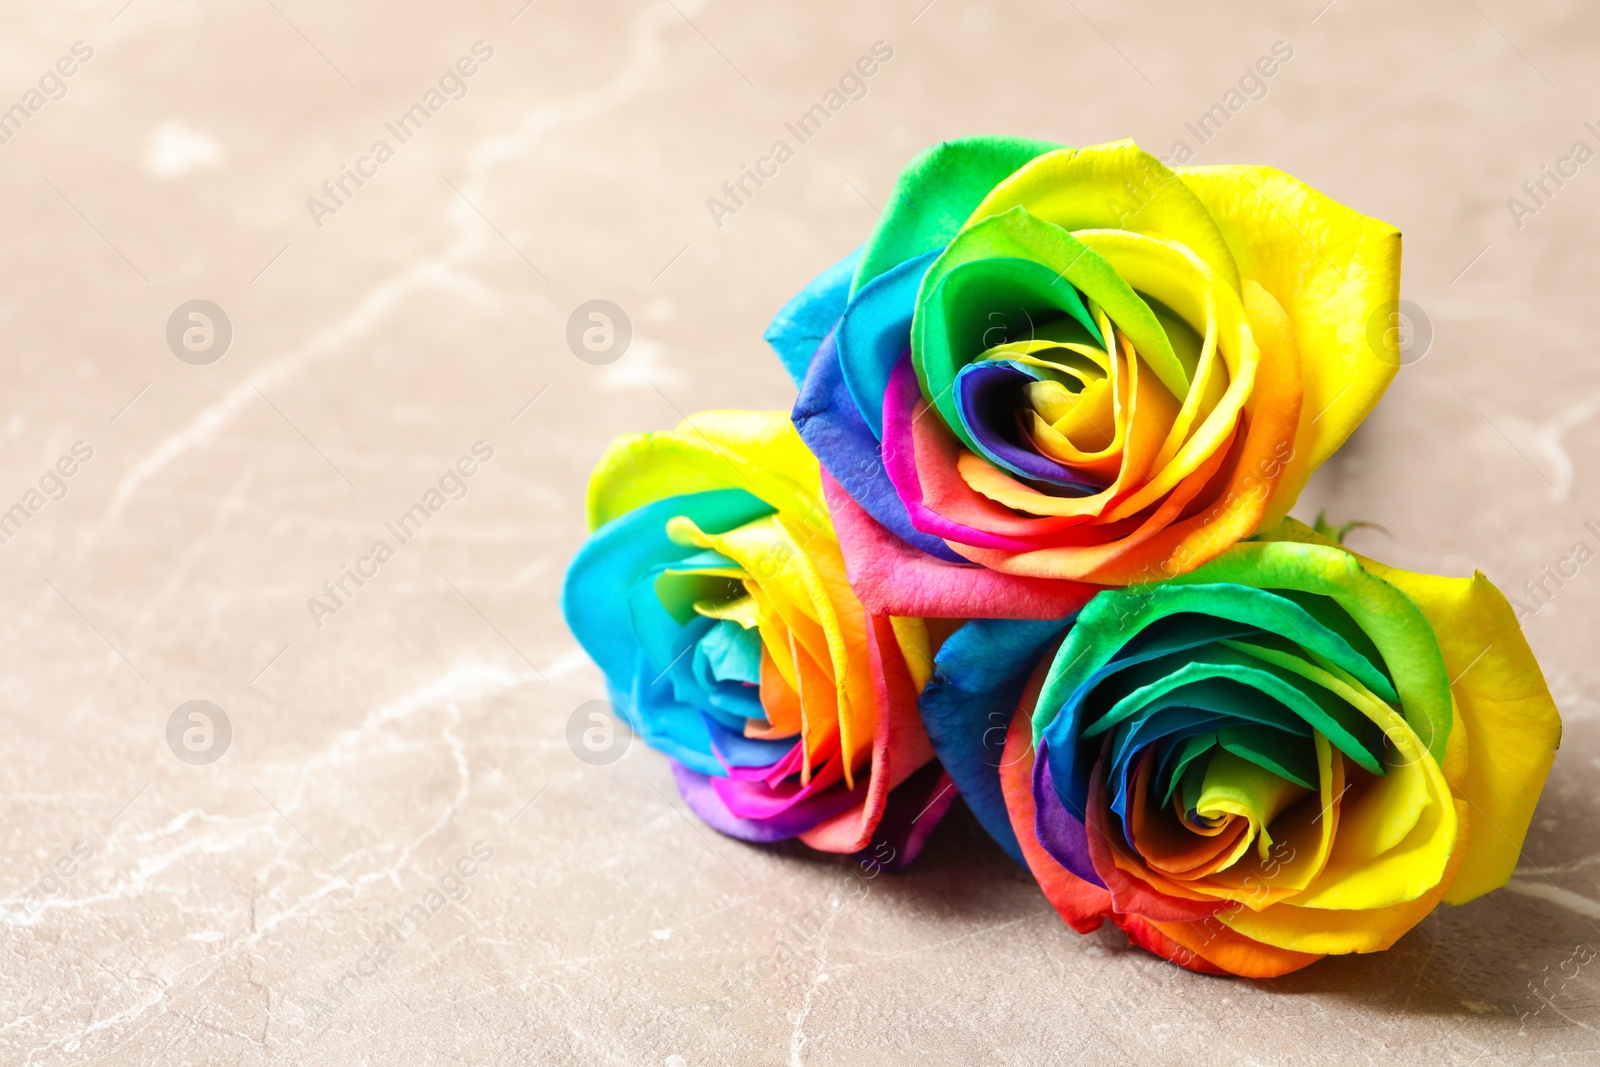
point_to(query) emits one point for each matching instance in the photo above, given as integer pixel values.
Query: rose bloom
(1052, 369)
(1290, 752)
(712, 594)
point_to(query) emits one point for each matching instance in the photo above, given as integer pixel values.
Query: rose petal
(831, 426)
(801, 324)
(935, 194)
(979, 675)
(1332, 285)
(891, 577)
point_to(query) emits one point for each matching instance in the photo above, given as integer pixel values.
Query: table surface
(169, 912)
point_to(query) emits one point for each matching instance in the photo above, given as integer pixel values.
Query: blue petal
(602, 610)
(988, 395)
(733, 653)
(726, 658)
(666, 723)
(831, 426)
(804, 321)
(875, 330)
(741, 751)
(978, 677)
(1068, 770)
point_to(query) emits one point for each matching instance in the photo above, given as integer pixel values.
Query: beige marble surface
(212, 911)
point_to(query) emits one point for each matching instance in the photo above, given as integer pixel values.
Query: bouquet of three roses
(1024, 539)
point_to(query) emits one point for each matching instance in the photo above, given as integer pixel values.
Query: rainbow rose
(1290, 752)
(1056, 364)
(712, 594)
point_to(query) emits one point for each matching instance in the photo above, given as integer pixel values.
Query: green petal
(936, 193)
(1513, 728)
(1398, 629)
(1115, 186)
(1020, 267)
(758, 451)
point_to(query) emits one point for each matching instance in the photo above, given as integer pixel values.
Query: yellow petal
(1332, 269)
(758, 451)
(1238, 787)
(1303, 840)
(1315, 930)
(1395, 839)
(1114, 186)
(1512, 726)
(1178, 278)
(1502, 703)
(801, 588)
(911, 634)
